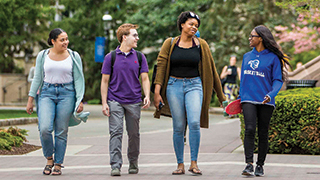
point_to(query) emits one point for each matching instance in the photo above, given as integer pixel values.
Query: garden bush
(12, 136)
(295, 125)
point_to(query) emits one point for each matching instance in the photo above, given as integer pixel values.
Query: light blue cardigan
(78, 80)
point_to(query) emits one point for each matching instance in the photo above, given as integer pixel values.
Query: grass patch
(8, 114)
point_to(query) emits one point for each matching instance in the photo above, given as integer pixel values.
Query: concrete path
(221, 154)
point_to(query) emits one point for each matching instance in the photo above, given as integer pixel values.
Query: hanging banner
(99, 49)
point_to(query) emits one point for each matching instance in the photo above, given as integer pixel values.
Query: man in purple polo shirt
(122, 97)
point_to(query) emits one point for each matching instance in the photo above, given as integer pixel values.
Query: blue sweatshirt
(260, 76)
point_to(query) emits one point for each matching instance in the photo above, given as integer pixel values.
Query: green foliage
(299, 5)
(22, 25)
(158, 20)
(304, 57)
(12, 136)
(85, 25)
(294, 126)
(94, 101)
(225, 25)
(229, 24)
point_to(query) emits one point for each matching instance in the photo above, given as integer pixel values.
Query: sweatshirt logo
(254, 64)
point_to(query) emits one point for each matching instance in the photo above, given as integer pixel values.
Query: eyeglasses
(251, 36)
(135, 36)
(194, 15)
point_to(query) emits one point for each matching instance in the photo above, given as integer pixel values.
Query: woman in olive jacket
(186, 76)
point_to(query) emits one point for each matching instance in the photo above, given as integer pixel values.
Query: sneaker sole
(247, 174)
(258, 175)
(133, 172)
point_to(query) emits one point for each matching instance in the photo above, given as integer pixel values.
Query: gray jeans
(132, 116)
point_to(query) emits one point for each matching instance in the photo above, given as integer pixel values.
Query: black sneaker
(133, 168)
(259, 171)
(248, 171)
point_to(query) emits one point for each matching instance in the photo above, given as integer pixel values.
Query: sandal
(178, 172)
(48, 168)
(195, 171)
(55, 171)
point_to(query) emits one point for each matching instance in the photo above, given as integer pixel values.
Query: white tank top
(58, 71)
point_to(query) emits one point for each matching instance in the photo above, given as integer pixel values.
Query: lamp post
(107, 18)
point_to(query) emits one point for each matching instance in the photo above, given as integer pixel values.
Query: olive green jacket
(208, 73)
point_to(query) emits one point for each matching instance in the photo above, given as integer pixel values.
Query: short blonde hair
(124, 29)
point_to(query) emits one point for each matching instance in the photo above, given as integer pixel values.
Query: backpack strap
(139, 56)
(113, 59)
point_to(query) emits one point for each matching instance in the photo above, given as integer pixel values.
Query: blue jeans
(56, 105)
(185, 101)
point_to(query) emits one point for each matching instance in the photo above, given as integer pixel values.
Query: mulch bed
(23, 149)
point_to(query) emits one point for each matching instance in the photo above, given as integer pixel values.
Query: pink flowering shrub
(305, 35)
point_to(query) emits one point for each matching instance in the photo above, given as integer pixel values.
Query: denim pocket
(171, 80)
(196, 81)
(69, 87)
(45, 87)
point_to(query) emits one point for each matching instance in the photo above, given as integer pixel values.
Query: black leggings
(256, 114)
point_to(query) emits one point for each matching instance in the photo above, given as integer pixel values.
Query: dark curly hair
(184, 16)
(54, 35)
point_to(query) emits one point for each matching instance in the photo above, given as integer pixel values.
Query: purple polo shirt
(124, 86)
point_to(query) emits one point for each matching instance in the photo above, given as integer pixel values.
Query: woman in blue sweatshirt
(262, 76)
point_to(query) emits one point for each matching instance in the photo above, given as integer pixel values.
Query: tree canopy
(84, 26)
(22, 25)
(225, 25)
(300, 6)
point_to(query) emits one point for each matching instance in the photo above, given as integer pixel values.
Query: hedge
(295, 125)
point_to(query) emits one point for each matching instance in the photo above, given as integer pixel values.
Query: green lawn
(7, 114)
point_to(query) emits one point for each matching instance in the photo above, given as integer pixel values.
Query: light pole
(107, 18)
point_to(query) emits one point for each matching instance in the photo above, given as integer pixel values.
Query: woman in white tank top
(54, 77)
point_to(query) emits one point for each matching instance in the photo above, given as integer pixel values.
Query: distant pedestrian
(60, 81)
(262, 76)
(121, 96)
(231, 73)
(31, 72)
(186, 77)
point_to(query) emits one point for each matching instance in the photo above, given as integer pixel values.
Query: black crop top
(184, 62)
(232, 79)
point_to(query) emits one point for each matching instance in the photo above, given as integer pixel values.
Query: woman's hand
(29, 108)
(80, 107)
(266, 99)
(157, 100)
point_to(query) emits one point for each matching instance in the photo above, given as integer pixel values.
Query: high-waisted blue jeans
(185, 101)
(56, 105)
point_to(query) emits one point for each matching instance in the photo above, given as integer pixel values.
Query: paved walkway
(221, 155)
